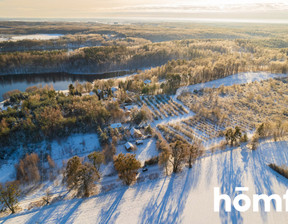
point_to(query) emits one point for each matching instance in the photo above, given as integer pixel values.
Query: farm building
(129, 146)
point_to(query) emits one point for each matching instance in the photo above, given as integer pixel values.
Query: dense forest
(247, 55)
(99, 48)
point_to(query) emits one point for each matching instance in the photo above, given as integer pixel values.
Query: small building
(139, 142)
(116, 125)
(129, 107)
(135, 133)
(129, 146)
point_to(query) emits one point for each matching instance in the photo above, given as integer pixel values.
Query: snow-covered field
(183, 198)
(230, 80)
(32, 37)
(186, 197)
(76, 144)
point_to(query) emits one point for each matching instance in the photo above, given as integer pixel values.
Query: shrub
(279, 169)
(27, 170)
(152, 161)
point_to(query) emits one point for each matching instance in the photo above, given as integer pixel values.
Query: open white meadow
(183, 198)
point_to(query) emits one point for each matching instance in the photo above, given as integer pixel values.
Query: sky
(275, 9)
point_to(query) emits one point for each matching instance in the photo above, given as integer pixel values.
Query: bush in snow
(283, 170)
(97, 158)
(27, 171)
(152, 161)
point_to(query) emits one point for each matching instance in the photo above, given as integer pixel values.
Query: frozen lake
(60, 81)
(31, 37)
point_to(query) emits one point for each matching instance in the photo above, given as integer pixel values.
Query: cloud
(190, 8)
(101, 8)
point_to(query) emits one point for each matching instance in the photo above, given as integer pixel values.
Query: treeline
(92, 60)
(231, 57)
(155, 32)
(70, 42)
(177, 73)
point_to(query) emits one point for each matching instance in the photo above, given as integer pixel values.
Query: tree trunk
(190, 161)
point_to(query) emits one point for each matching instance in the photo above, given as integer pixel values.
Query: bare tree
(179, 153)
(193, 152)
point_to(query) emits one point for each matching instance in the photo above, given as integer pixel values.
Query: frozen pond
(31, 37)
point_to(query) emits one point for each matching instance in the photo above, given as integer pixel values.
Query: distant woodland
(99, 48)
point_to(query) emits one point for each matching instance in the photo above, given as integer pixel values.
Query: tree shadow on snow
(169, 208)
(230, 175)
(109, 214)
(261, 172)
(44, 214)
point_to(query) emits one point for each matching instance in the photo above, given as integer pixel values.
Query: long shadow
(106, 215)
(39, 213)
(261, 173)
(43, 214)
(229, 176)
(172, 204)
(46, 212)
(69, 214)
(148, 185)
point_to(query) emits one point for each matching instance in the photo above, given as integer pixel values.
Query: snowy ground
(31, 37)
(77, 144)
(143, 152)
(229, 81)
(183, 198)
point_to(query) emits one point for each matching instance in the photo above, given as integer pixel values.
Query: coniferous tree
(9, 196)
(97, 158)
(127, 166)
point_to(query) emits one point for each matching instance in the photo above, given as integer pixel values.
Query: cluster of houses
(135, 133)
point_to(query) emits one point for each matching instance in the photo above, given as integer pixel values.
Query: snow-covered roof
(116, 125)
(114, 89)
(147, 81)
(129, 145)
(135, 131)
(129, 107)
